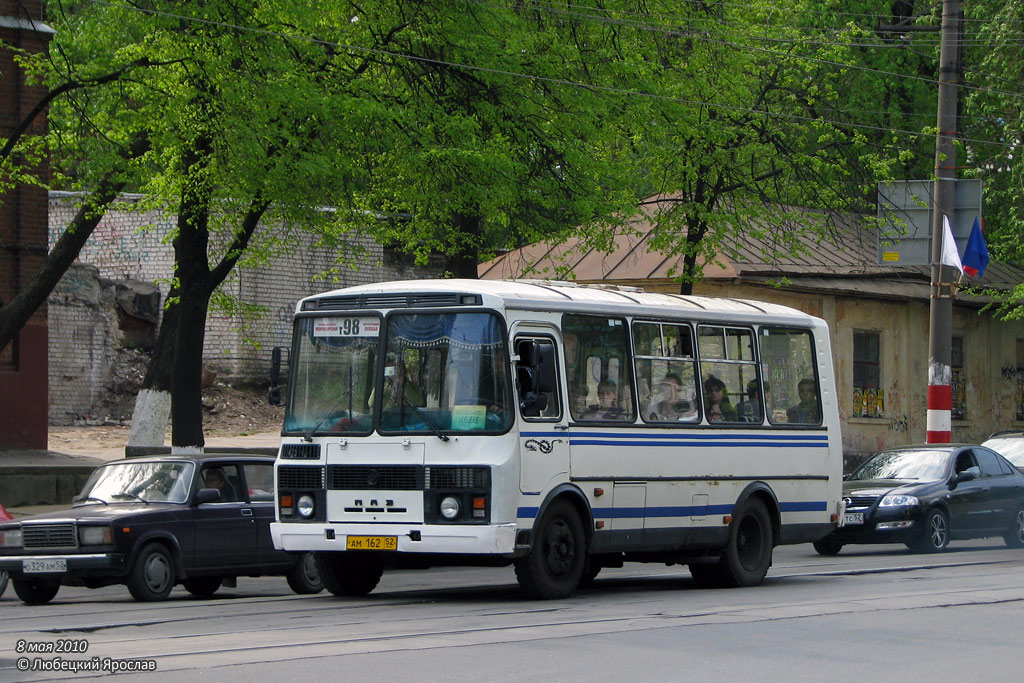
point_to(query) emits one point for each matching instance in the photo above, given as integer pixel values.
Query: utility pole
(940, 324)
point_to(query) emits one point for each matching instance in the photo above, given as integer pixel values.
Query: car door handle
(247, 512)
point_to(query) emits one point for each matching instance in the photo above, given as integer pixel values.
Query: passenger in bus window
(716, 402)
(806, 411)
(752, 410)
(607, 407)
(674, 403)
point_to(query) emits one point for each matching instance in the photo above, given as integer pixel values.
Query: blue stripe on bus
(705, 436)
(679, 510)
(694, 442)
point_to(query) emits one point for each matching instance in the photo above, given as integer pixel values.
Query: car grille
(300, 477)
(48, 535)
(860, 501)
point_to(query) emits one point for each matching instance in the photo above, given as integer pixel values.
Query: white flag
(950, 255)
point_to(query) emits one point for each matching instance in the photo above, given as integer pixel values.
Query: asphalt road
(871, 612)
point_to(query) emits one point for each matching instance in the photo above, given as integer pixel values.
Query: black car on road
(926, 495)
(151, 523)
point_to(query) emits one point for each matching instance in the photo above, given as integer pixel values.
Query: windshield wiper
(88, 498)
(136, 496)
(433, 427)
(308, 436)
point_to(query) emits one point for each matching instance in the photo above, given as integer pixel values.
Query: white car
(1010, 445)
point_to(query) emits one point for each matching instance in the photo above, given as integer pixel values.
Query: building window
(956, 380)
(868, 397)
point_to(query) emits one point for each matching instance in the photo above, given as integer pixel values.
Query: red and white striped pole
(940, 323)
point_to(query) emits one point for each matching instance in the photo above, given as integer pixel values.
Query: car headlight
(898, 500)
(449, 507)
(94, 535)
(10, 538)
(305, 506)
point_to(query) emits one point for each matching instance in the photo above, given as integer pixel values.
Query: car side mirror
(207, 496)
(966, 475)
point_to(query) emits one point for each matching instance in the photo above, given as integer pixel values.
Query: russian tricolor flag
(976, 254)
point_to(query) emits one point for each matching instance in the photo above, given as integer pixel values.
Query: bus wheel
(554, 566)
(748, 554)
(203, 586)
(349, 573)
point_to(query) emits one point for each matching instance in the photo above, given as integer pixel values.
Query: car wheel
(349, 573)
(935, 535)
(152, 576)
(554, 565)
(1014, 537)
(203, 586)
(748, 553)
(828, 546)
(35, 591)
(303, 578)
(3, 583)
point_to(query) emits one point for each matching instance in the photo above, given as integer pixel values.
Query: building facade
(23, 231)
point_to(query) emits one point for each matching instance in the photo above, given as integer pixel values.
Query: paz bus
(556, 427)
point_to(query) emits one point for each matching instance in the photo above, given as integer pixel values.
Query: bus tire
(348, 574)
(748, 553)
(554, 565)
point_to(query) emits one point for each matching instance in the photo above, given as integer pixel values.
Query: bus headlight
(449, 507)
(305, 506)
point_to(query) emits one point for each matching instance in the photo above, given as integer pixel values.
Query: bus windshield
(441, 372)
(445, 372)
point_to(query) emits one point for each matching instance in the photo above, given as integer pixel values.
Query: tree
(245, 125)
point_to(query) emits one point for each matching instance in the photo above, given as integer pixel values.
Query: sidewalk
(35, 481)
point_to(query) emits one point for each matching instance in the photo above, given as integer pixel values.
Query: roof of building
(844, 261)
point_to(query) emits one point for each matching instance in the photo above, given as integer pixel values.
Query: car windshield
(163, 482)
(926, 464)
(1010, 447)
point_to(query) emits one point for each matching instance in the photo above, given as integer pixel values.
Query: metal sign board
(905, 219)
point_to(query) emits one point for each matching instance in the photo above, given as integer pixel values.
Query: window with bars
(868, 396)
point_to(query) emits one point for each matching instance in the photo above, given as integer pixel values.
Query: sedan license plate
(44, 566)
(371, 543)
(853, 518)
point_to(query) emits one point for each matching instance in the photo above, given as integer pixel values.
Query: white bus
(556, 427)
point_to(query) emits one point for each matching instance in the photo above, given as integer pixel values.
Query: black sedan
(198, 520)
(924, 496)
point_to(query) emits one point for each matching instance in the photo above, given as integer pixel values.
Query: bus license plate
(44, 566)
(853, 518)
(372, 543)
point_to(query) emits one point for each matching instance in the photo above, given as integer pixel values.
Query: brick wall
(130, 243)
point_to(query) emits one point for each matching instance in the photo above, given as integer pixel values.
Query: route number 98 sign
(347, 327)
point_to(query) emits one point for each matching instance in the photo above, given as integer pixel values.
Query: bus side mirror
(274, 392)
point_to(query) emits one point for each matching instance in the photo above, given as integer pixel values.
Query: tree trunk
(14, 315)
(153, 402)
(465, 262)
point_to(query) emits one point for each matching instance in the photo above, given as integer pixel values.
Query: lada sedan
(201, 521)
(926, 495)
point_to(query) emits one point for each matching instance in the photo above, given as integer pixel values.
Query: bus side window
(536, 379)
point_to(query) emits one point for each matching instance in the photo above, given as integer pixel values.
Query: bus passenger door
(543, 432)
